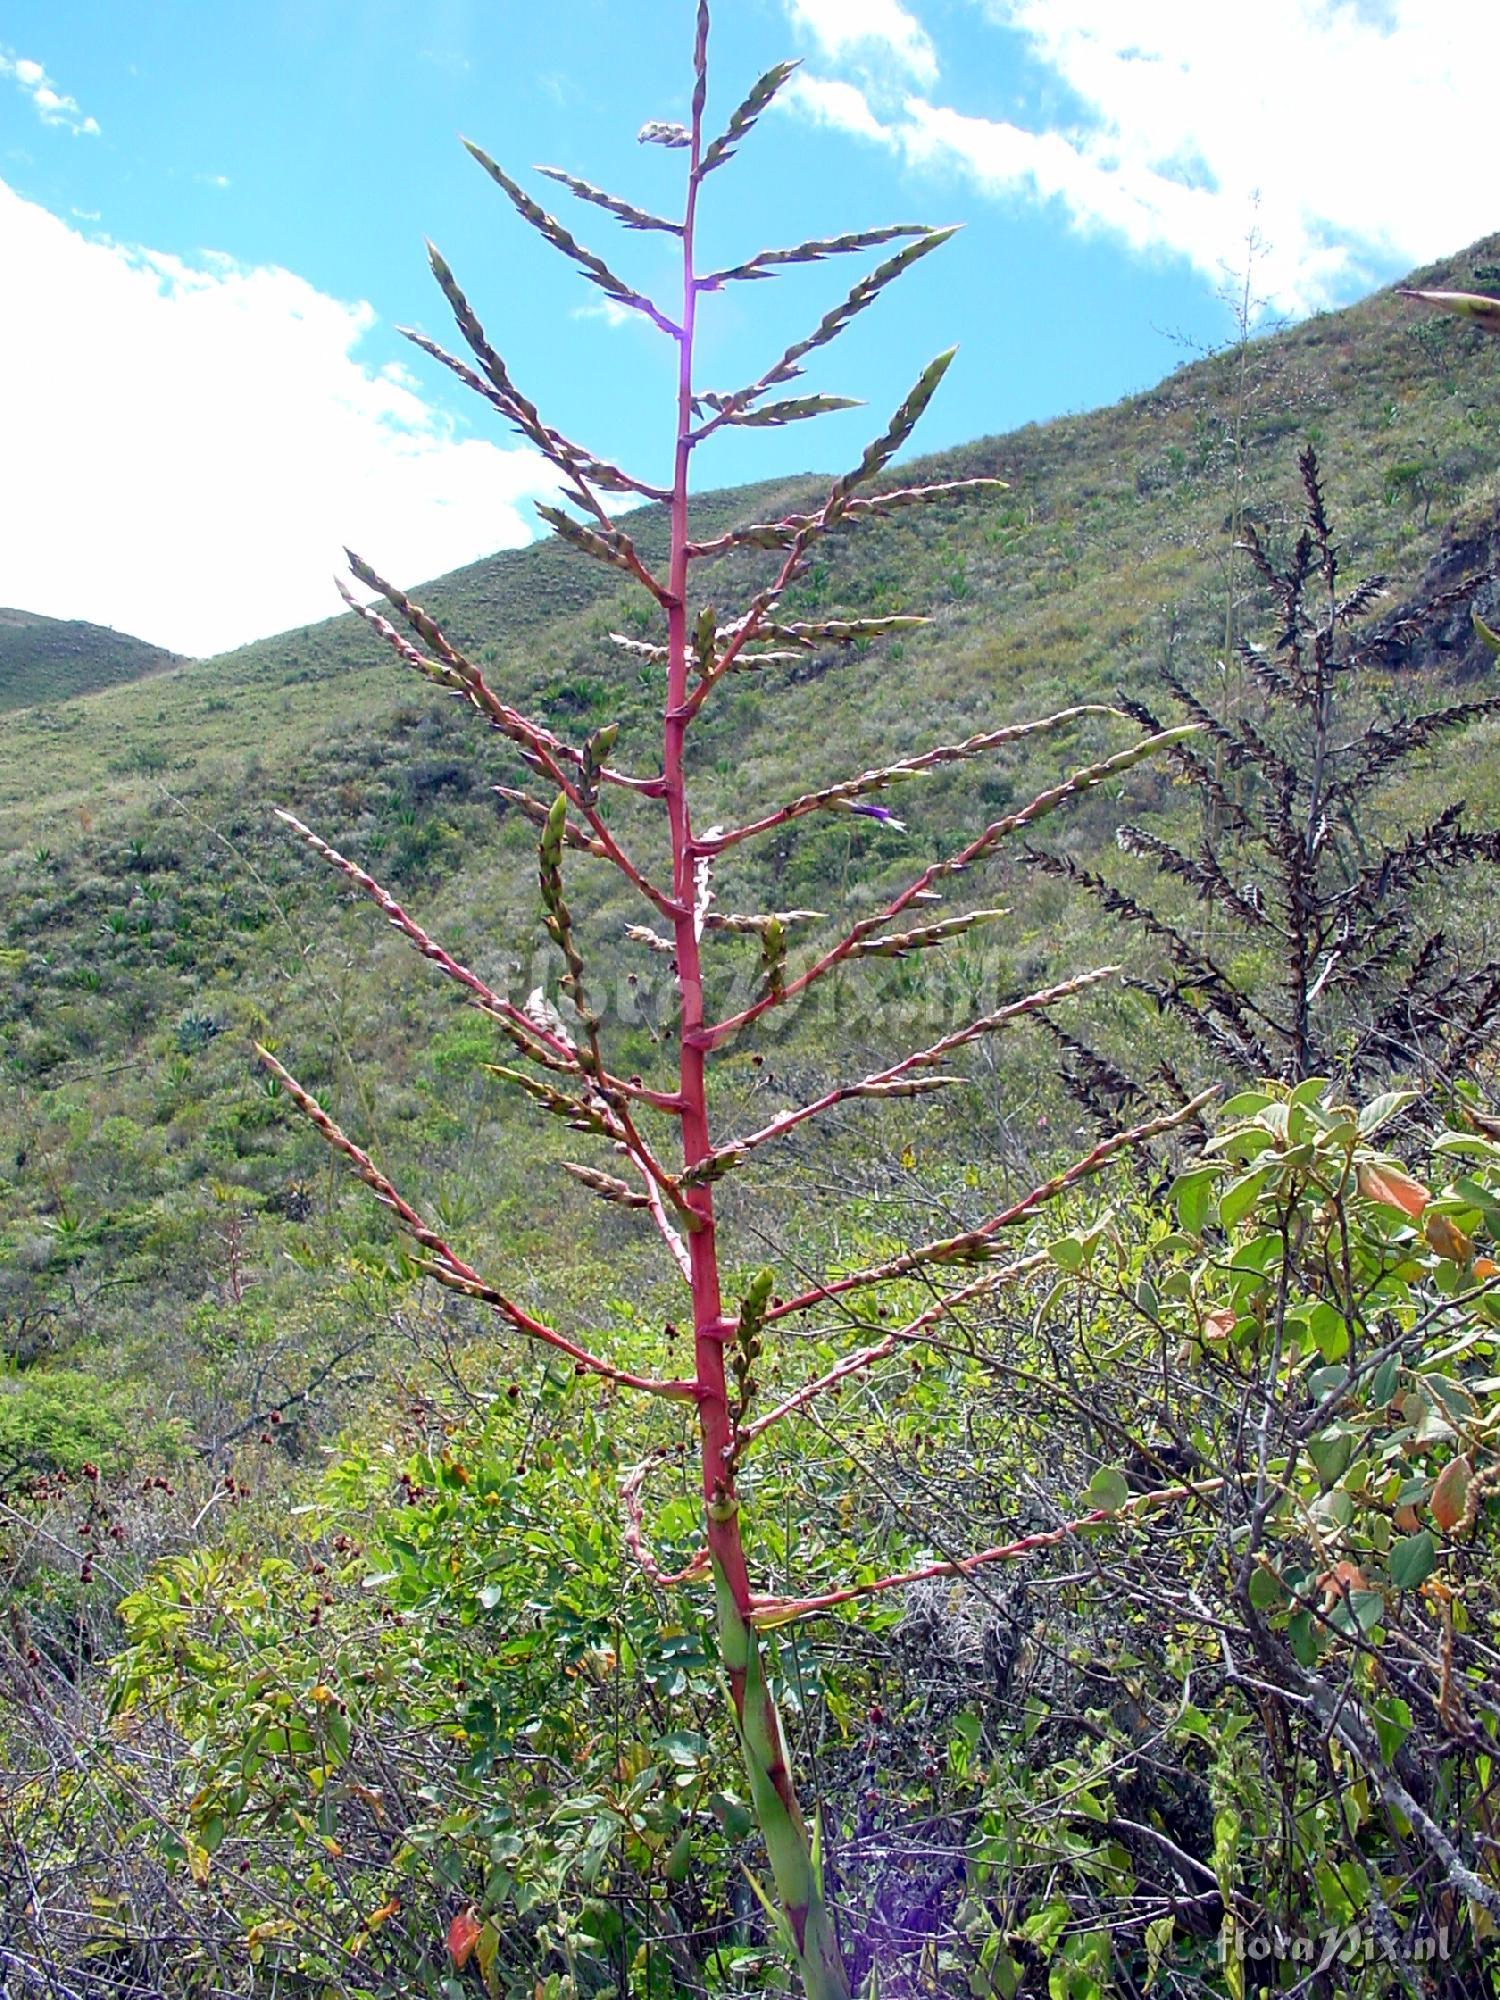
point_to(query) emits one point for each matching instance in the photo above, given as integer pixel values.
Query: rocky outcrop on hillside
(1434, 627)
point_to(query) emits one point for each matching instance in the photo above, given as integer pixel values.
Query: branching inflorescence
(1301, 876)
(562, 1061)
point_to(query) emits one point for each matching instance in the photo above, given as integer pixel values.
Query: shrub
(59, 1421)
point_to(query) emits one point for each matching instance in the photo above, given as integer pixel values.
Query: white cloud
(49, 103)
(610, 311)
(880, 29)
(192, 443)
(830, 101)
(1353, 134)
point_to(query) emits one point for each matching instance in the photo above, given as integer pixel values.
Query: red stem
(873, 781)
(872, 1085)
(534, 1041)
(709, 1325)
(953, 864)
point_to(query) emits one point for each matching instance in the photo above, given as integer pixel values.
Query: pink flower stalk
(564, 1064)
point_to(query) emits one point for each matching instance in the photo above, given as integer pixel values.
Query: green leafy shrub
(60, 1421)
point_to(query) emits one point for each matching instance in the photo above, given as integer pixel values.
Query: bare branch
(745, 115)
(765, 263)
(531, 1040)
(832, 324)
(902, 1336)
(897, 1080)
(781, 534)
(623, 211)
(594, 268)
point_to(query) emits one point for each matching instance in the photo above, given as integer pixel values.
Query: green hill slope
(53, 659)
(155, 916)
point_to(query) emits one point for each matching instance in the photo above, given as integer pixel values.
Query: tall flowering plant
(664, 1155)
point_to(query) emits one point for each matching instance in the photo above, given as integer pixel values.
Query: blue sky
(212, 220)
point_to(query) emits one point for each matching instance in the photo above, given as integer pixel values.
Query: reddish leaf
(1450, 1497)
(1448, 1239)
(1393, 1188)
(463, 1935)
(1344, 1576)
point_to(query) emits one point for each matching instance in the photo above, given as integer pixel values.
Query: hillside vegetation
(156, 916)
(54, 659)
(329, 1574)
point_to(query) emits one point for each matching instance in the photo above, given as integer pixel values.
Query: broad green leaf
(1158, 1941)
(1391, 1718)
(1045, 1926)
(1369, 1609)
(1331, 1332)
(1237, 1200)
(1192, 1194)
(1309, 1091)
(1381, 1110)
(600, 1920)
(1108, 1490)
(1413, 1560)
(1335, 1509)
(1331, 1455)
(967, 1726)
(682, 1746)
(1266, 1593)
(1303, 1639)
(1327, 1382)
(733, 1816)
(1245, 1104)
(1385, 1381)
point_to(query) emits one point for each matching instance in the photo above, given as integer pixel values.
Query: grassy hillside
(323, 1632)
(156, 918)
(54, 659)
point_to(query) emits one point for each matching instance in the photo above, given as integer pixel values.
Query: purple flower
(883, 814)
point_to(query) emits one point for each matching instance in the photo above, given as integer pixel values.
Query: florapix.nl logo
(1333, 1945)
